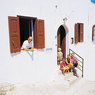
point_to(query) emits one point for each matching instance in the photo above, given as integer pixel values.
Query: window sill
(32, 50)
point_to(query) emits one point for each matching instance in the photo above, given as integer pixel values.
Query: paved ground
(82, 87)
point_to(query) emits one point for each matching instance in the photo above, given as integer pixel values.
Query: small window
(21, 27)
(78, 32)
(93, 33)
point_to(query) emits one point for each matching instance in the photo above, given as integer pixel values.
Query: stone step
(67, 75)
(70, 78)
(73, 80)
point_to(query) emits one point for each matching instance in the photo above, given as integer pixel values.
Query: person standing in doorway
(59, 56)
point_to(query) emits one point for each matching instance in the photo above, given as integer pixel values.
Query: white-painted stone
(41, 66)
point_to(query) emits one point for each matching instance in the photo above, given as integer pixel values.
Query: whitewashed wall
(42, 65)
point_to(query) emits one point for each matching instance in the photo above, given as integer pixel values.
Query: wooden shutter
(39, 35)
(81, 32)
(93, 33)
(76, 33)
(14, 34)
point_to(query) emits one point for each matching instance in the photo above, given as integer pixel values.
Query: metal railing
(80, 59)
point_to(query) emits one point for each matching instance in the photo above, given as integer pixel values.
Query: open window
(78, 32)
(21, 27)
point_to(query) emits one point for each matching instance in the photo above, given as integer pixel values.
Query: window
(21, 27)
(78, 32)
(93, 33)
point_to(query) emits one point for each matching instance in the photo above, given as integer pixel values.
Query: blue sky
(93, 1)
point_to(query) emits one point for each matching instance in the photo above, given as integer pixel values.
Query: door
(61, 40)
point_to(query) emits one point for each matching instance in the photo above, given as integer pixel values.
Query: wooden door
(58, 39)
(63, 46)
(61, 40)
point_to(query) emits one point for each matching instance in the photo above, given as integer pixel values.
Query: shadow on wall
(75, 44)
(31, 55)
(38, 50)
(15, 54)
(93, 42)
(43, 50)
(49, 49)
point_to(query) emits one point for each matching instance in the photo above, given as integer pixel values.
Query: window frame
(29, 18)
(38, 33)
(79, 32)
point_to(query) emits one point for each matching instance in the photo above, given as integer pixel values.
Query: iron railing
(80, 59)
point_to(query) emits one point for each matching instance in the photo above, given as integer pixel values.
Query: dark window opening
(63, 40)
(26, 29)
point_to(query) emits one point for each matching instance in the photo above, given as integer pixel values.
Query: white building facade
(41, 65)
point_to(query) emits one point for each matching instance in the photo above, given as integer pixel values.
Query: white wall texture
(42, 64)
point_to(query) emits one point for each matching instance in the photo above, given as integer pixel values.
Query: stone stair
(70, 78)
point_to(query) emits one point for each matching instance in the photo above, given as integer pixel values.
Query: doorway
(61, 40)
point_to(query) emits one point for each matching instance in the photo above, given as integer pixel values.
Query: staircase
(69, 78)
